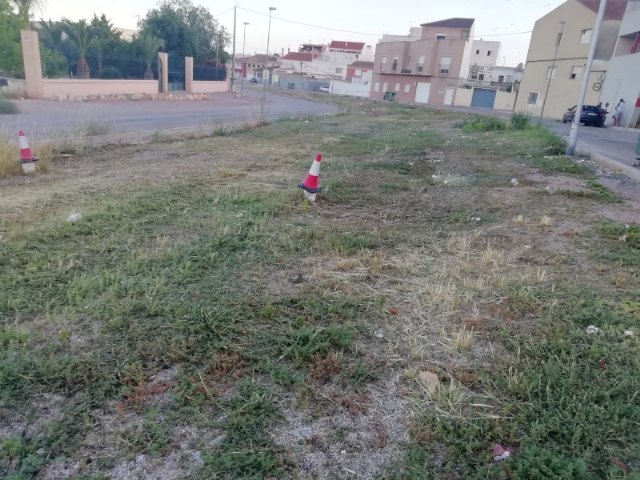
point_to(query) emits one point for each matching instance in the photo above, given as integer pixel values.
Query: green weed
(596, 191)
(520, 121)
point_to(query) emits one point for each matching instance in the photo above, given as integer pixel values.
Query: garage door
(483, 98)
(422, 92)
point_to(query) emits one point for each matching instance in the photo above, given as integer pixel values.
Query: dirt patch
(359, 436)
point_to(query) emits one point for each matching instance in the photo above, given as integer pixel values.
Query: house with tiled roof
(329, 61)
(557, 56)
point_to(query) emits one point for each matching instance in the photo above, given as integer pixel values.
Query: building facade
(558, 54)
(425, 68)
(622, 80)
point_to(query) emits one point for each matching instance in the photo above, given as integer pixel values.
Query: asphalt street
(43, 119)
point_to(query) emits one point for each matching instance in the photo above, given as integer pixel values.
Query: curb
(614, 165)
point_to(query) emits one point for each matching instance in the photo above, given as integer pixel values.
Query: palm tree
(26, 8)
(149, 44)
(51, 34)
(79, 33)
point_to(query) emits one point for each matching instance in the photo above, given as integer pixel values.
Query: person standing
(618, 112)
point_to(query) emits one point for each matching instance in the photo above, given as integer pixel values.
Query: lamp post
(551, 72)
(266, 64)
(244, 37)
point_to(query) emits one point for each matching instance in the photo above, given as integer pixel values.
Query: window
(575, 72)
(339, 70)
(533, 98)
(440, 36)
(445, 64)
(383, 64)
(394, 66)
(397, 87)
(384, 87)
(509, 78)
(481, 76)
(585, 36)
(500, 78)
(474, 77)
(407, 87)
(376, 87)
(477, 52)
(551, 73)
(488, 53)
(358, 72)
(464, 34)
(420, 64)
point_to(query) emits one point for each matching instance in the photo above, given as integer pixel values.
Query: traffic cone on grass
(27, 160)
(310, 184)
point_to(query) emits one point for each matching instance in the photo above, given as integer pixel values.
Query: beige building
(624, 69)
(426, 65)
(568, 30)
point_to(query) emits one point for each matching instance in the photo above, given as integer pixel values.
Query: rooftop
(299, 56)
(614, 11)
(340, 45)
(452, 23)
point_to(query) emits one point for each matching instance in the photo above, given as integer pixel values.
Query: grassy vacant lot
(201, 321)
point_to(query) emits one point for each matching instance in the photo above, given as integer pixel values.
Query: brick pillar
(163, 58)
(32, 63)
(188, 74)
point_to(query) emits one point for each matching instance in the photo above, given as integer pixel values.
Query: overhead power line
(370, 34)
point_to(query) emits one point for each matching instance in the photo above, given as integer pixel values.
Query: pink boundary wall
(38, 87)
(54, 88)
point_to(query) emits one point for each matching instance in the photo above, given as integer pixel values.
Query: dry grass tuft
(546, 221)
(10, 154)
(461, 339)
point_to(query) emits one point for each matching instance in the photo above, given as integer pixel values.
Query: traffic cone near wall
(310, 184)
(27, 160)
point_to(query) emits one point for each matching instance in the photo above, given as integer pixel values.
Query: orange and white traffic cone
(310, 184)
(27, 160)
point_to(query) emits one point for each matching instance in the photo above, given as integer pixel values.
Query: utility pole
(551, 72)
(233, 54)
(575, 125)
(266, 64)
(244, 38)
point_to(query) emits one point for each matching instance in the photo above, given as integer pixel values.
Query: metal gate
(176, 72)
(483, 98)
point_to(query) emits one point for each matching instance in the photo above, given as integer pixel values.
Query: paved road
(43, 119)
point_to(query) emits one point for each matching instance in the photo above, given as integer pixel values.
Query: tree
(149, 46)
(26, 8)
(79, 34)
(104, 37)
(187, 30)
(10, 51)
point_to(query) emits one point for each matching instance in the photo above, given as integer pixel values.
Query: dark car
(591, 115)
(253, 80)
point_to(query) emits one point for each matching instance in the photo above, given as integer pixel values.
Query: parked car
(324, 89)
(253, 80)
(591, 115)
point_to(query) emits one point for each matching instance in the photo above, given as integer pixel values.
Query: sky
(295, 21)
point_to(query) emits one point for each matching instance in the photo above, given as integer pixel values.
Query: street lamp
(551, 72)
(266, 63)
(244, 37)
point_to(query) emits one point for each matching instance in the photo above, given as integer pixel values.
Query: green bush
(7, 106)
(520, 121)
(482, 123)
(111, 73)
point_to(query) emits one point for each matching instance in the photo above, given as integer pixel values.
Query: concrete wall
(622, 82)
(504, 101)
(483, 47)
(54, 88)
(210, 87)
(32, 63)
(405, 87)
(563, 91)
(351, 89)
(17, 88)
(463, 97)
